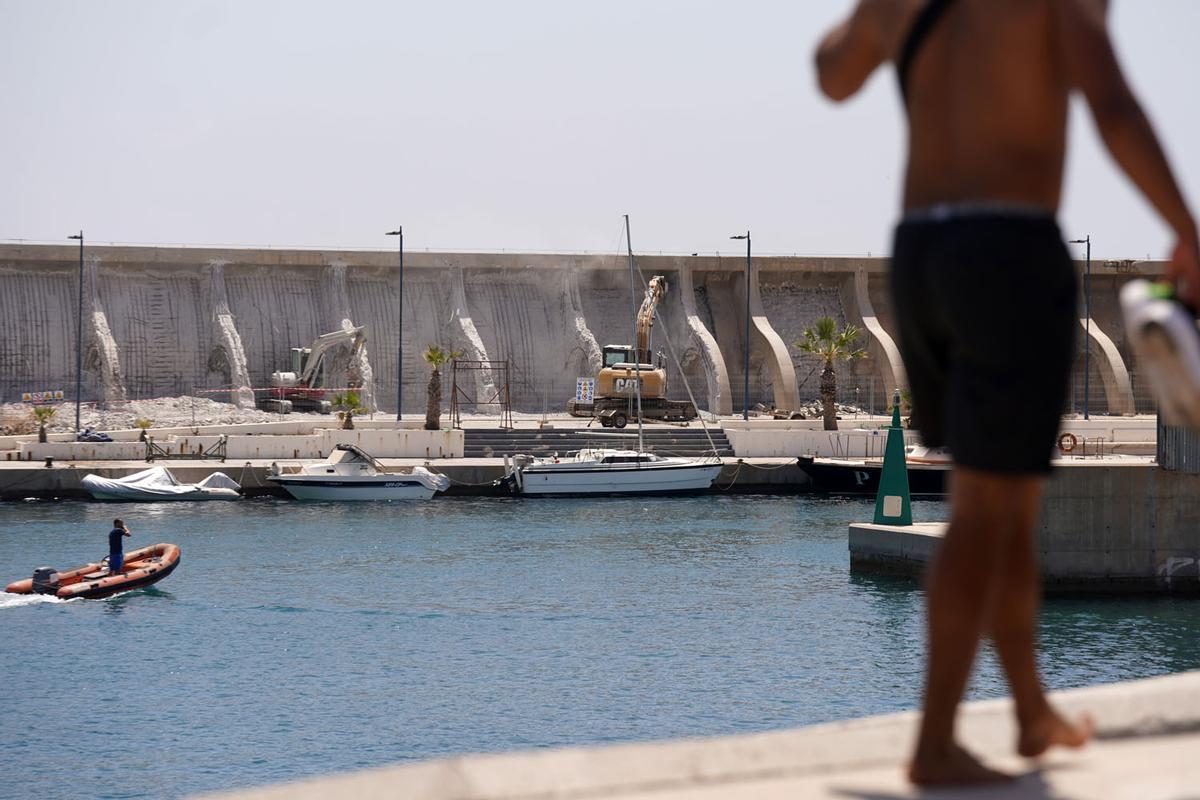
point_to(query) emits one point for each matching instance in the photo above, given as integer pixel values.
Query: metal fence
(1178, 449)
(1089, 396)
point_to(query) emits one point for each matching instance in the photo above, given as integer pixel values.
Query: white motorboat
(157, 483)
(351, 474)
(602, 471)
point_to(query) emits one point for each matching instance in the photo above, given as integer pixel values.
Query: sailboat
(611, 471)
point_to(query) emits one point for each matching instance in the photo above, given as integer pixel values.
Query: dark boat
(142, 567)
(861, 476)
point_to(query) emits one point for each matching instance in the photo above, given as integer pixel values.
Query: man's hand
(1184, 270)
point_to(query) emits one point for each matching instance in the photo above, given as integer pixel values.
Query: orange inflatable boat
(143, 567)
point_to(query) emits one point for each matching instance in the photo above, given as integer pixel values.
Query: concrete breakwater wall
(167, 321)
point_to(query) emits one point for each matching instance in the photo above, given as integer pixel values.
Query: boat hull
(143, 567)
(691, 479)
(349, 489)
(143, 497)
(859, 478)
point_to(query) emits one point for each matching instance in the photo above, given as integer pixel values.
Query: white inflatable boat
(157, 483)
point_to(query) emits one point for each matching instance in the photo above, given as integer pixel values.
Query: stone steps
(496, 443)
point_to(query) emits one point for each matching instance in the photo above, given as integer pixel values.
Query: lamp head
(397, 232)
(742, 236)
(75, 236)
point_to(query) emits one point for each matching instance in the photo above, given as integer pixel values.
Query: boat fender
(45, 580)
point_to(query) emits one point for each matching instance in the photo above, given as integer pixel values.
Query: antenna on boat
(637, 357)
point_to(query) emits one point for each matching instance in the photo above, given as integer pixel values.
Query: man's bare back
(987, 104)
(987, 108)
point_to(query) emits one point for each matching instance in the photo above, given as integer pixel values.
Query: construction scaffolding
(492, 376)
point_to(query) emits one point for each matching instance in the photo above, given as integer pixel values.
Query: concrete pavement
(1146, 749)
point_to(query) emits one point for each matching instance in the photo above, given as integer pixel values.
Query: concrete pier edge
(823, 759)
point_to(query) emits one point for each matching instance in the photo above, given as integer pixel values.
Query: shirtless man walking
(985, 296)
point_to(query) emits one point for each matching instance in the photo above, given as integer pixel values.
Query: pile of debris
(15, 420)
(161, 412)
(811, 409)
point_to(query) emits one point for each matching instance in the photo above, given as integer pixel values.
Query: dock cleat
(1165, 339)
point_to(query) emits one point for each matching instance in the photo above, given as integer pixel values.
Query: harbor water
(298, 639)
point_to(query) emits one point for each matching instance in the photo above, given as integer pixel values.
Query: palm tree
(347, 405)
(42, 415)
(436, 358)
(825, 341)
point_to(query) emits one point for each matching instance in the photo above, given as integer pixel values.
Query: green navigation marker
(893, 506)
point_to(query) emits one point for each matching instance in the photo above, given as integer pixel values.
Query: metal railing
(215, 452)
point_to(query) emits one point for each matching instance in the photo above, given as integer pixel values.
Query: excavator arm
(645, 317)
(355, 337)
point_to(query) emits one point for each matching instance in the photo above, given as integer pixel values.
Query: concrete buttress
(880, 345)
(779, 361)
(357, 368)
(228, 356)
(1118, 390)
(467, 338)
(720, 395)
(101, 354)
(584, 348)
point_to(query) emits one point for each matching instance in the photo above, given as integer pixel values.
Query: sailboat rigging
(607, 471)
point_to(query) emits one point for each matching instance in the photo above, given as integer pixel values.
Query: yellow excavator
(615, 400)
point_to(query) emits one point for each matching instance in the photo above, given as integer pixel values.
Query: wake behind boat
(602, 471)
(350, 473)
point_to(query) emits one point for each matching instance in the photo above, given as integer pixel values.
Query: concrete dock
(1148, 735)
(470, 477)
(1105, 527)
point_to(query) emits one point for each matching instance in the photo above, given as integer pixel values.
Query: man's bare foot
(1050, 730)
(951, 766)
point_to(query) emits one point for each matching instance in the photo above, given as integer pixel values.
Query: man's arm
(1092, 67)
(850, 52)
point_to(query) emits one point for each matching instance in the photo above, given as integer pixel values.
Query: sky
(522, 126)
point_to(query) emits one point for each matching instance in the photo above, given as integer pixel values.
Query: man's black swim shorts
(986, 304)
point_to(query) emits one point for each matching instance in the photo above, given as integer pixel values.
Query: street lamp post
(79, 334)
(746, 359)
(399, 233)
(1087, 324)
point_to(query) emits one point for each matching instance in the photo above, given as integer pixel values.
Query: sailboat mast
(637, 356)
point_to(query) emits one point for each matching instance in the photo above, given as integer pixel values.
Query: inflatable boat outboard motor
(45, 580)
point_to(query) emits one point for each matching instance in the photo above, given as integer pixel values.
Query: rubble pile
(162, 412)
(811, 409)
